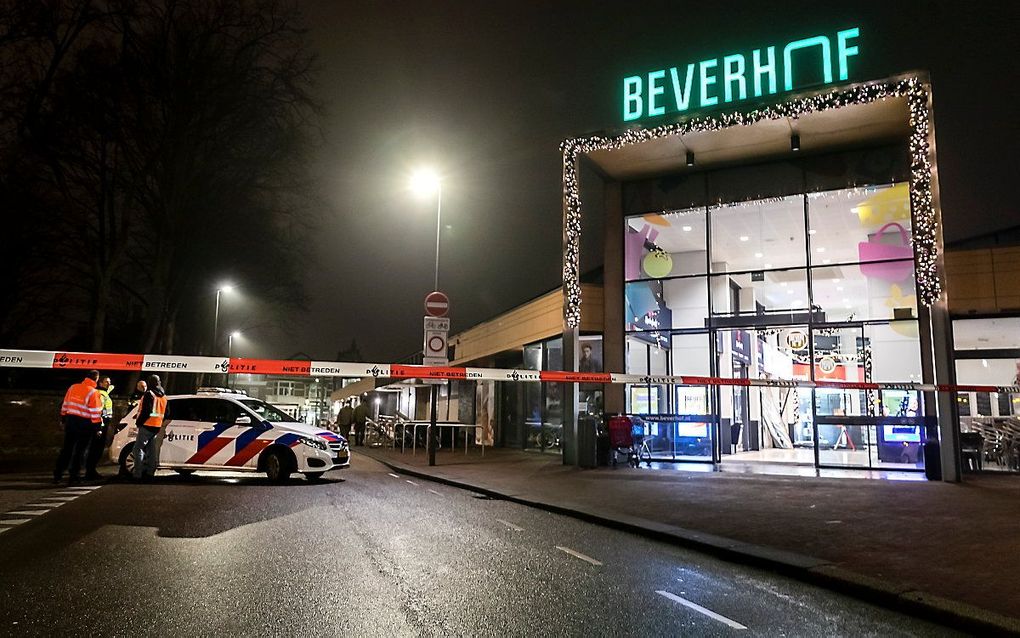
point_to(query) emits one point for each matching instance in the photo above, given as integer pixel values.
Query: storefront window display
(803, 286)
(987, 352)
(544, 401)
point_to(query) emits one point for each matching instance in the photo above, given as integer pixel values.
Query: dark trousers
(77, 433)
(359, 433)
(97, 444)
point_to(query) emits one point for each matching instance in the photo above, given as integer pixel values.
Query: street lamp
(230, 351)
(230, 342)
(425, 182)
(224, 287)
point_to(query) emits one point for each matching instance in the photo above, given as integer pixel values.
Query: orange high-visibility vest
(155, 417)
(83, 400)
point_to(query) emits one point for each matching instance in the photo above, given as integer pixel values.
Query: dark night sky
(487, 90)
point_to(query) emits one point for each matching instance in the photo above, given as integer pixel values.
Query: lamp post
(216, 315)
(425, 182)
(230, 351)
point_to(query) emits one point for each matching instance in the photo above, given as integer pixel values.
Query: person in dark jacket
(140, 389)
(149, 421)
(360, 422)
(345, 419)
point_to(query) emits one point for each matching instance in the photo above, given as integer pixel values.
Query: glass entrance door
(761, 424)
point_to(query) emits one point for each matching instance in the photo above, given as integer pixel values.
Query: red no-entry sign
(437, 304)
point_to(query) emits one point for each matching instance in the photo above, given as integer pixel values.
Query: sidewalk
(949, 552)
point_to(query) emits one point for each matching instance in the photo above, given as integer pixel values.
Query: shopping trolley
(627, 436)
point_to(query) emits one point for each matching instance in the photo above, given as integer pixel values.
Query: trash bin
(587, 425)
(932, 461)
(602, 451)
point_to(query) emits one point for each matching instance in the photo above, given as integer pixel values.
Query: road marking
(13, 521)
(393, 475)
(511, 526)
(76, 490)
(701, 610)
(577, 554)
(4, 529)
(49, 505)
(29, 512)
(434, 492)
(411, 482)
(64, 499)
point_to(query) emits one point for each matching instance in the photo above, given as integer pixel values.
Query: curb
(808, 569)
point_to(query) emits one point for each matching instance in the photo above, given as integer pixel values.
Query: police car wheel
(127, 460)
(277, 468)
(313, 476)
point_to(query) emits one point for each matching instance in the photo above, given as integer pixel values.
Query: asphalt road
(366, 552)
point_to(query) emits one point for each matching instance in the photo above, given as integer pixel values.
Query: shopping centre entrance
(812, 286)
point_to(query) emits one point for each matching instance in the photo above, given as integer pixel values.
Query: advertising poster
(485, 412)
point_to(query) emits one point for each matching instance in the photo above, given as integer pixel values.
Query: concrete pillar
(613, 341)
(570, 398)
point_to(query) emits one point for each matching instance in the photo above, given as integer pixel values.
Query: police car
(222, 430)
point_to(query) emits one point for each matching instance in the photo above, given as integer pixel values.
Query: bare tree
(173, 146)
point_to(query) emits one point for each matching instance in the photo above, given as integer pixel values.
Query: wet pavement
(371, 552)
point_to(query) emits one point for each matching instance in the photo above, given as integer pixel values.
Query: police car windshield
(266, 411)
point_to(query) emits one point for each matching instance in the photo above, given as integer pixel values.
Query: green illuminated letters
(843, 51)
(736, 73)
(706, 81)
(759, 70)
(683, 97)
(632, 102)
(733, 71)
(818, 40)
(654, 90)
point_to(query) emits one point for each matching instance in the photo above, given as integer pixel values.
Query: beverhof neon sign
(731, 78)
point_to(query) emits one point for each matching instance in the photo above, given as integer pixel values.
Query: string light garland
(923, 215)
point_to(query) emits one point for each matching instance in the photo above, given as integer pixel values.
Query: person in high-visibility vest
(97, 442)
(151, 412)
(81, 410)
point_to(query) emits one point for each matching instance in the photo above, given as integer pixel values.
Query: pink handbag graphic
(875, 251)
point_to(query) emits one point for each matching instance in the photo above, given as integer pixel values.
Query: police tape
(237, 365)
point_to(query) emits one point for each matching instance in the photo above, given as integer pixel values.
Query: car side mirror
(243, 420)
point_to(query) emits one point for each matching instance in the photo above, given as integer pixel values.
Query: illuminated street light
(425, 182)
(230, 341)
(224, 287)
(230, 351)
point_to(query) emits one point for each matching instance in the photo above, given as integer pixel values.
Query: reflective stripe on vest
(155, 418)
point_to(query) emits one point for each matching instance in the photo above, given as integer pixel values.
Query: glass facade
(815, 286)
(543, 416)
(987, 352)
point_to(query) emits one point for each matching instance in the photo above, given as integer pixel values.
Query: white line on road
(393, 475)
(577, 554)
(434, 492)
(701, 610)
(65, 499)
(49, 505)
(511, 525)
(13, 521)
(4, 529)
(411, 482)
(29, 512)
